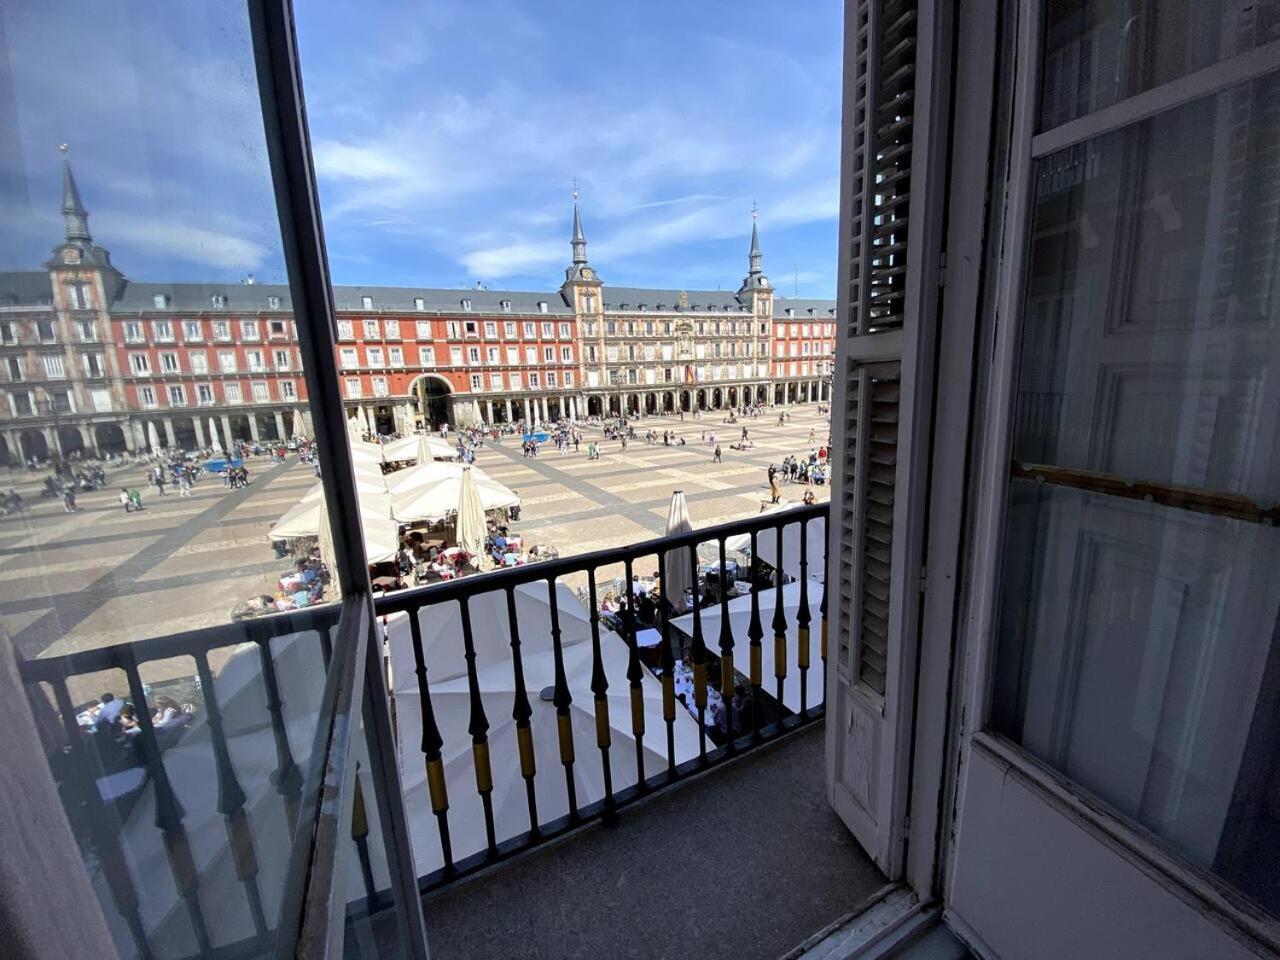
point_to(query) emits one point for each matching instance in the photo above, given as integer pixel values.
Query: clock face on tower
(588, 273)
(71, 255)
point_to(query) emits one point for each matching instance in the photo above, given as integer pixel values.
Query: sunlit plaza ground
(101, 576)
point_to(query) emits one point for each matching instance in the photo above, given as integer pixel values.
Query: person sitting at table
(129, 725)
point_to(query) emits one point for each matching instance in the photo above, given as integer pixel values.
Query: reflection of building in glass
(91, 360)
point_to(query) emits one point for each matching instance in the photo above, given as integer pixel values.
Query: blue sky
(446, 136)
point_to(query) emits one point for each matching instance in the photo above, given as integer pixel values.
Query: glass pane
(1138, 648)
(1097, 52)
(1149, 335)
(154, 421)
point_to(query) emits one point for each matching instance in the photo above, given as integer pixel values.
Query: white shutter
(890, 237)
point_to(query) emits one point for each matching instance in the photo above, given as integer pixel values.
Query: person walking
(717, 457)
(744, 433)
(775, 489)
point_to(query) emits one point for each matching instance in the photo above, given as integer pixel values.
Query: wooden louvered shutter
(889, 240)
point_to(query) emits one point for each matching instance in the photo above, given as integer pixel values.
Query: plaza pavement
(100, 577)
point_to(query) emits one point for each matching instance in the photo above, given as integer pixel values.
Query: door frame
(1171, 888)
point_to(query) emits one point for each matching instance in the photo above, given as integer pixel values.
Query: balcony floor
(746, 861)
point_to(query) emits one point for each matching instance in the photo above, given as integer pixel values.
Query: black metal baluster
(231, 800)
(562, 701)
(726, 650)
(635, 677)
(822, 609)
(699, 660)
(755, 632)
(432, 745)
(668, 663)
(169, 811)
(779, 629)
(600, 690)
(521, 713)
(106, 843)
(478, 727)
(360, 836)
(287, 778)
(803, 619)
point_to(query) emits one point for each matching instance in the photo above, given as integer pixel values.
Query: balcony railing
(497, 680)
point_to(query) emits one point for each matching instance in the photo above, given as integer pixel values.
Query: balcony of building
(573, 772)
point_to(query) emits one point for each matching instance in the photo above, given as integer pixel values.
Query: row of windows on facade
(53, 366)
(635, 353)
(549, 379)
(454, 330)
(349, 357)
(44, 331)
(702, 328)
(79, 301)
(164, 331)
(24, 404)
(198, 362)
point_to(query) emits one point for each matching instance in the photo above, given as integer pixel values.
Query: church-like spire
(579, 241)
(75, 217)
(754, 257)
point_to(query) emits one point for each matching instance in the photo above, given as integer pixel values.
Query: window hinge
(924, 570)
(942, 269)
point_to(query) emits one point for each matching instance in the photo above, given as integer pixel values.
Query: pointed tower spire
(75, 217)
(579, 241)
(754, 257)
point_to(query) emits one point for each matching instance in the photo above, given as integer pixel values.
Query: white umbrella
(216, 437)
(440, 626)
(451, 705)
(740, 620)
(153, 435)
(421, 448)
(767, 544)
(307, 519)
(425, 474)
(367, 484)
(366, 428)
(438, 500)
(677, 576)
(470, 528)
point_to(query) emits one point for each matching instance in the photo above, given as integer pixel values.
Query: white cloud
(199, 245)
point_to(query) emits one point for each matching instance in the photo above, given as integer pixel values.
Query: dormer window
(811, 311)
(219, 301)
(419, 303)
(466, 303)
(791, 311)
(366, 303)
(273, 303)
(160, 300)
(542, 306)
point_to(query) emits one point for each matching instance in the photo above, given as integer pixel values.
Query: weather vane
(64, 147)
(754, 208)
(575, 188)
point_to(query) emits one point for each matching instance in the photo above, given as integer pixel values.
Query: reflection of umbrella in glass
(451, 704)
(440, 626)
(740, 619)
(470, 529)
(153, 435)
(438, 500)
(767, 544)
(676, 573)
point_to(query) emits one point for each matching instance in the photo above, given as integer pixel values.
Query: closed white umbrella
(470, 527)
(740, 620)
(366, 427)
(767, 544)
(451, 705)
(216, 437)
(677, 575)
(153, 435)
(438, 500)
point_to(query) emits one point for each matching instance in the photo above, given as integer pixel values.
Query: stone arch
(33, 444)
(71, 440)
(430, 393)
(595, 407)
(109, 438)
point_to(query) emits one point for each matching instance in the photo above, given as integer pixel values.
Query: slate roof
(25, 288)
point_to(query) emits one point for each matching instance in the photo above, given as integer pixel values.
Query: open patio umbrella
(440, 626)
(420, 448)
(767, 544)
(677, 575)
(153, 435)
(469, 530)
(306, 519)
(370, 484)
(425, 474)
(438, 500)
(451, 705)
(740, 619)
